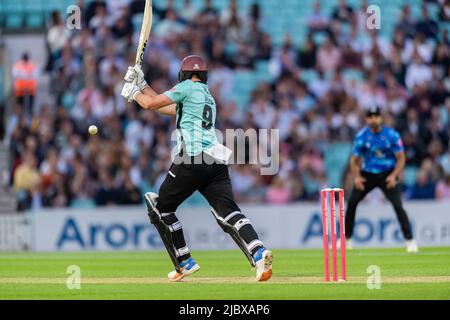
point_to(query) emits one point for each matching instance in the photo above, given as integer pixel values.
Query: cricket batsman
(200, 165)
(377, 160)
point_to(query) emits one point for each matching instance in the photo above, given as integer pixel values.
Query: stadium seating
(13, 12)
(16, 14)
(1, 85)
(1, 14)
(34, 15)
(279, 17)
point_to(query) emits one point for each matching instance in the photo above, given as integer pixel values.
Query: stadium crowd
(56, 163)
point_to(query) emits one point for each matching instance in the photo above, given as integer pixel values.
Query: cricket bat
(145, 31)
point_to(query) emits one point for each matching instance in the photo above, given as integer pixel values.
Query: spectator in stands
(208, 11)
(444, 10)
(288, 57)
(232, 22)
(255, 12)
(258, 42)
(243, 58)
(123, 26)
(350, 58)
(71, 64)
(407, 24)
(441, 58)
(79, 187)
(443, 188)
(303, 101)
(117, 8)
(307, 53)
(278, 192)
(189, 12)
(427, 25)
(57, 36)
(265, 45)
(169, 27)
(26, 180)
(418, 46)
(263, 112)
(128, 193)
(50, 177)
(318, 20)
(161, 12)
(413, 150)
(403, 73)
(243, 181)
(424, 187)
(110, 61)
(397, 67)
(444, 162)
(343, 12)
(25, 73)
(361, 17)
(101, 19)
(417, 73)
(328, 57)
(106, 194)
(91, 8)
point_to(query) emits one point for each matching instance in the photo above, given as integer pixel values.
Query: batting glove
(130, 91)
(135, 74)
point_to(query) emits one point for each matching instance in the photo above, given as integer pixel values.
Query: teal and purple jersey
(377, 150)
(196, 116)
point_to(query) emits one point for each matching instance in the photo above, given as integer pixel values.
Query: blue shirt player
(377, 160)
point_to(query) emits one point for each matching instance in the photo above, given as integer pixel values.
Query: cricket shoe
(263, 264)
(187, 268)
(411, 246)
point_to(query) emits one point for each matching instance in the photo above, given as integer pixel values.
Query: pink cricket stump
(342, 235)
(333, 235)
(326, 255)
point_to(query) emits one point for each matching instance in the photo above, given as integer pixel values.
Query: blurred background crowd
(312, 82)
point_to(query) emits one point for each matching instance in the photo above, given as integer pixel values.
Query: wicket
(325, 229)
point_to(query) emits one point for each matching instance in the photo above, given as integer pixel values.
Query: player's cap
(193, 63)
(373, 111)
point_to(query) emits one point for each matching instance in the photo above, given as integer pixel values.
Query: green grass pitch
(298, 274)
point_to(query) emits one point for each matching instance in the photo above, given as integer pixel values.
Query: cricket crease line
(224, 280)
